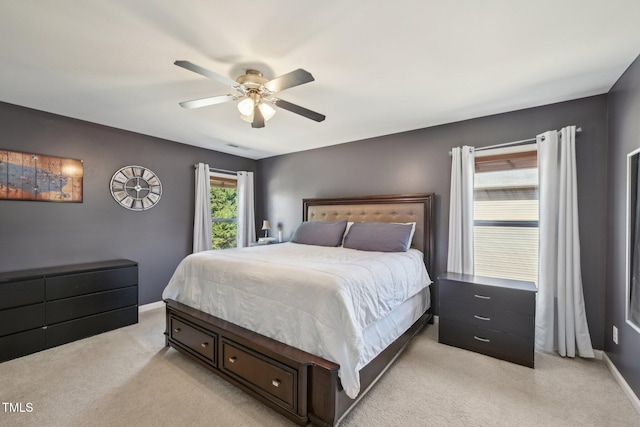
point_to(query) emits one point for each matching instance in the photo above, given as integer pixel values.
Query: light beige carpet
(127, 377)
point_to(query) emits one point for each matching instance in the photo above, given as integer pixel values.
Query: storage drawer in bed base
(273, 380)
(254, 363)
(302, 387)
(199, 342)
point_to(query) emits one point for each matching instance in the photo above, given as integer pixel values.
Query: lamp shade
(266, 110)
(246, 110)
(266, 225)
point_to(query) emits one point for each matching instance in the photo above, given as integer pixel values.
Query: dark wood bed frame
(303, 387)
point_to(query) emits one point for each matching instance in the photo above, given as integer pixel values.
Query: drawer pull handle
(481, 339)
(204, 344)
(176, 330)
(481, 296)
(275, 383)
(233, 359)
(481, 317)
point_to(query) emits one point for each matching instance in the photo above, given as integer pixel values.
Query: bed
(303, 373)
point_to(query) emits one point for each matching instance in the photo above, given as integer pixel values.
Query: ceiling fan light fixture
(266, 110)
(246, 107)
(246, 110)
(248, 119)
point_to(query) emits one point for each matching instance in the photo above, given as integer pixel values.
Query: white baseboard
(150, 306)
(623, 383)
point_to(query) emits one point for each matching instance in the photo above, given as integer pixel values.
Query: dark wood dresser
(487, 315)
(47, 307)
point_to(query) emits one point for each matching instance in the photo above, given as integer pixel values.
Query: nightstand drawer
(488, 317)
(204, 344)
(484, 296)
(492, 343)
(274, 380)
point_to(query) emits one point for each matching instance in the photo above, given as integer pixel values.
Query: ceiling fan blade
(296, 109)
(210, 74)
(294, 78)
(258, 118)
(205, 102)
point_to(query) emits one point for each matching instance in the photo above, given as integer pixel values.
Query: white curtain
(561, 321)
(460, 256)
(246, 215)
(202, 213)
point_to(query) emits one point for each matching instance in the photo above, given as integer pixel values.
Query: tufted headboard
(418, 208)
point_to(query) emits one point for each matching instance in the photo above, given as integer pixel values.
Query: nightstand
(274, 242)
(487, 315)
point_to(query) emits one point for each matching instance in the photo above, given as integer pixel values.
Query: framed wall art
(36, 177)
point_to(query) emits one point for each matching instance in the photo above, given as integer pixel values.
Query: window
(506, 213)
(224, 210)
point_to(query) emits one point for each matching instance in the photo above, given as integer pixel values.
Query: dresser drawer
(21, 319)
(72, 308)
(504, 346)
(25, 292)
(483, 296)
(62, 333)
(275, 381)
(21, 344)
(198, 341)
(71, 285)
(487, 317)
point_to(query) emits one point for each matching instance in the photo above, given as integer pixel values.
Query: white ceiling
(381, 67)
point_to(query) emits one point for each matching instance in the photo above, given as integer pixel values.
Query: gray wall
(418, 161)
(624, 137)
(39, 234)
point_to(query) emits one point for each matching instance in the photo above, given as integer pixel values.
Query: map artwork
(27, 176)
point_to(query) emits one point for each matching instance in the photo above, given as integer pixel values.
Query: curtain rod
(195, 166)
(513, 143)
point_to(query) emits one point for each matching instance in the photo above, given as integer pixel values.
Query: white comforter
(314, 298)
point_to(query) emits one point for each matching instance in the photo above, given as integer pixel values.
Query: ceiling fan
(255, 92)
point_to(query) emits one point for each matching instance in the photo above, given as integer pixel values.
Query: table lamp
(266, 227)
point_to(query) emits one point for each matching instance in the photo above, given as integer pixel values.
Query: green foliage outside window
(224, 214)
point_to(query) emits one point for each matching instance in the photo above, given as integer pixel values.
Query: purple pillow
(379, 236)
(320, 233)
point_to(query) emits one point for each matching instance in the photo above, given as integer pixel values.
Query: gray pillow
(320, 233)
(379, 236)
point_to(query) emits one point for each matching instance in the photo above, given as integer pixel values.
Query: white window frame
(225, 176)
(505, 223)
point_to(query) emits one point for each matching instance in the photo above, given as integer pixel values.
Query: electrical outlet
(615, 335)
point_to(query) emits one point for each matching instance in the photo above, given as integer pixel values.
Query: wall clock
(136, 188)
